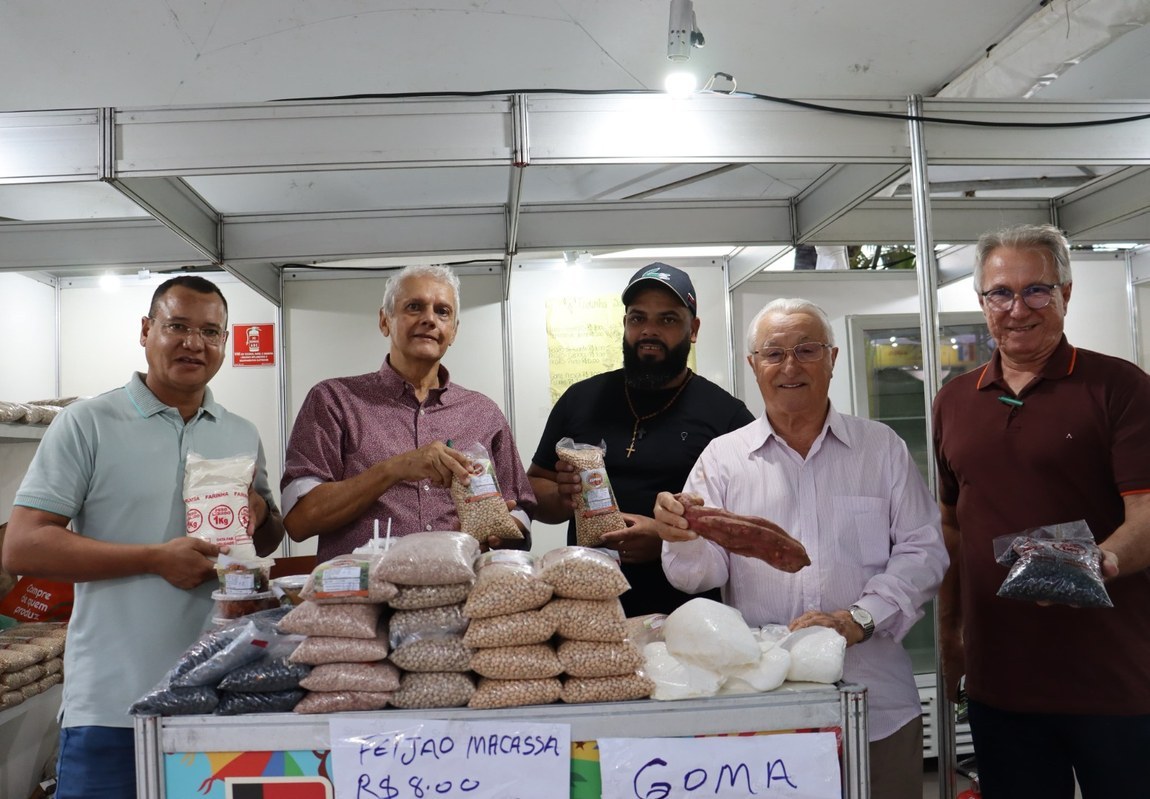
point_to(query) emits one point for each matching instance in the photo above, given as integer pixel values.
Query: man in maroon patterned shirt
(374, 446)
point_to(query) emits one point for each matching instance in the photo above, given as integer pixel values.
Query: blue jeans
(1039, 755)
(96, 763)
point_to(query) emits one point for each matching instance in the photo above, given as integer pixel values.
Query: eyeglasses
(212, 336)
(1036, 297)
(807, 352)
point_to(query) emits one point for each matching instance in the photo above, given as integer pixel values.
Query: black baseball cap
(670, 277)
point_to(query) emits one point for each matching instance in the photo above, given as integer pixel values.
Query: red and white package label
(220, 516)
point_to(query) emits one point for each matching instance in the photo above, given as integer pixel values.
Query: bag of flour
(216, 501)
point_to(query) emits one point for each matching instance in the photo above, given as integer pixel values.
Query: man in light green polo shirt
(113, 467)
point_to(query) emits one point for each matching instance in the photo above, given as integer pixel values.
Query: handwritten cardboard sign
(786, 766)
(381, 757)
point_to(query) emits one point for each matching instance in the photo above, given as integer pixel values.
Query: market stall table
(197, 756)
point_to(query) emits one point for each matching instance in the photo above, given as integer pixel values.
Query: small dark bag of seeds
(1058, 563)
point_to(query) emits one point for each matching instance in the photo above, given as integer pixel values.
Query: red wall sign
(253, 345)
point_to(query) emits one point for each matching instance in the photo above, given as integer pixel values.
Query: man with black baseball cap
(655, 416)
(661, 274)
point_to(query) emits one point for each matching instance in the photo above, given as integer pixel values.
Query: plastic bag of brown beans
(481, 508)
(345, 621)
(415, 597)
(606, 689)
(337, 701)
(530, 662)
(582, 573)
(352, 677)
(515, 693)
(511, 629)
(599, 658)
(419, 690)
(434, 654)
(347, 579)
(431, 558)
(588, 619)
(506, 581)
(317, 650)
(407, 626)
(596, 511)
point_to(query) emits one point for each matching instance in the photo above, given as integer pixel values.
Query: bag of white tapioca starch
(216, 501)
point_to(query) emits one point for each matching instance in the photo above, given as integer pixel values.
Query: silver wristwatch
(863, 619)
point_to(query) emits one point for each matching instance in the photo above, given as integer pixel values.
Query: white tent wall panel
(1097, 317)
(27, 367)
(28, 336)
(1142, 299)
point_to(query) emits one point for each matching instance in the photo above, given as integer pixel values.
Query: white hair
(1043, 237)
(433, 271)
(789, 305)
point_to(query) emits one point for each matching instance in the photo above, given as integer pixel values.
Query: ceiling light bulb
(680, 84)
(109, 282)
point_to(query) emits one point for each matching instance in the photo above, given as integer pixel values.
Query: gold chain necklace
(640, 419)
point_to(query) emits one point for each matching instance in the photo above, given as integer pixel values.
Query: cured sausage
(751, 536)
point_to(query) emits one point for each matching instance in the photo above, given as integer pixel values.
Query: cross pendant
(631, 448)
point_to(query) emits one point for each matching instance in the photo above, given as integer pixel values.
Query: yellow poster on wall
(584, 338)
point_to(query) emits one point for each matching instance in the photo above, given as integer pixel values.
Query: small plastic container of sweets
(233, 606)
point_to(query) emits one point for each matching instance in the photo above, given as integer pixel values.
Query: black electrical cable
(831, 109)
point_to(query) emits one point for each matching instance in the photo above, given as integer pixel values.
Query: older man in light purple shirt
(846, 488)
(379, 445)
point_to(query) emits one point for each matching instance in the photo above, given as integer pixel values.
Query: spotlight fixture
(682, 31)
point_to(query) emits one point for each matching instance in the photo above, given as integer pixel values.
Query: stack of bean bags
(514, 653)
(599, 663)
(435, 572)
(242, 667)
(343, 619)
(31, 660)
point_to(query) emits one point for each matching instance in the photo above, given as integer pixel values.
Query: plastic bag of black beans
(268, 674)
(216, 654)
(164, 700)
(1058, 563)
(236, 644)
(236, 704)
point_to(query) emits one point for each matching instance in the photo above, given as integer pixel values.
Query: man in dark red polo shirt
(1046, 433)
